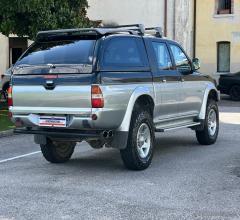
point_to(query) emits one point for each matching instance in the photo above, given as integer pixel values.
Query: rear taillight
(97, 97)
(10, 101)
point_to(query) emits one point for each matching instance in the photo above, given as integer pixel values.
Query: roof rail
(158, 31)
(67, 32)
(134, 27)
(137, 29)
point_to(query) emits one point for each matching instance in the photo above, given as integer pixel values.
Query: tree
(27, 17)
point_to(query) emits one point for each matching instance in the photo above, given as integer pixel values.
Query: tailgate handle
(49, 85)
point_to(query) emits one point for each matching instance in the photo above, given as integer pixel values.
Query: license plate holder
(53, 121)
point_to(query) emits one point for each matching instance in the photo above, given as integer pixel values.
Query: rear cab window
(124, 53)
(75, 54)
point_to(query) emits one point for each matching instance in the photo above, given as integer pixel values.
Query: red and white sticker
(52, 121)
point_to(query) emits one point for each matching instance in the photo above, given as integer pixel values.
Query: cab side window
(181, 60)
(124, 52)
(162, 55)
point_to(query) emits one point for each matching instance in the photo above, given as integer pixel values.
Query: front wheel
(139, 151)
(209, 134)
(57, 152)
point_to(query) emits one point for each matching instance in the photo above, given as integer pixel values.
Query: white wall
(148, 12)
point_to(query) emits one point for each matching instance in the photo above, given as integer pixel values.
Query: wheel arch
(146, 101)
(140, 96)
(210, 93)
(213, 94)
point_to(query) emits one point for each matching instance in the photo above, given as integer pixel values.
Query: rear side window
(59, 52)
(124, 52)
(162, 56)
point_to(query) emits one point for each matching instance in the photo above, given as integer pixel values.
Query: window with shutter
(223, 51)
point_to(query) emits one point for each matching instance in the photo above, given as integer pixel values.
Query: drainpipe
(194, 27)
(165, 17)
(174, 20)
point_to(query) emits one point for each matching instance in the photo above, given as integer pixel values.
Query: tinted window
(181, 60)
(123, 52)
(163, 58)
(59, 52)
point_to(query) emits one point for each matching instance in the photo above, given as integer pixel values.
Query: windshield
(59, 52)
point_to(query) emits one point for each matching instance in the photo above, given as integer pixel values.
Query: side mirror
(196, 64)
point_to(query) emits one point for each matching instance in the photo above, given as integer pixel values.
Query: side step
(188, 125)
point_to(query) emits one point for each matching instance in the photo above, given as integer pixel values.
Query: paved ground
(185, 181)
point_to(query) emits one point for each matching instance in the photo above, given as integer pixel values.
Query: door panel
(192, 92)
(167, 88)
(166, 82)
(191, 88)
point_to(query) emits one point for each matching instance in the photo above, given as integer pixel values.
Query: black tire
(57, 152)
(130, 155)
(3, 96)
(235, 93)
(204, 136)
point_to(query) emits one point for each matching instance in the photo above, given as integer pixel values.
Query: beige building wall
(212, 28)
(4, 53)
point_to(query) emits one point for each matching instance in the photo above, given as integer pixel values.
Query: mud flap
(40, 139)
(119, 140)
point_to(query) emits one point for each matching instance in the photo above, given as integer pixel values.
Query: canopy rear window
(59, 52)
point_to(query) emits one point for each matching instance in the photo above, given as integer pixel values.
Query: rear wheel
(235, 93)
(139, 151)
(57, 152)
(3, 96)
(209, 134)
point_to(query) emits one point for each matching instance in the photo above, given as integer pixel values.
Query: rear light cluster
(10, 100)
(97, 97)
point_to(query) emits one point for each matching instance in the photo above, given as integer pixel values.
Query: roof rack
(158, 31)
(132, 27)
(137, 29)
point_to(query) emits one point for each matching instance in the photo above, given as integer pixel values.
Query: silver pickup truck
(112, 87)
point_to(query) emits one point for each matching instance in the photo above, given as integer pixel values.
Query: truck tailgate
(52, 94)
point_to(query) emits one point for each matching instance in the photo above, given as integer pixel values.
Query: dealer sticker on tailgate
(51, 121)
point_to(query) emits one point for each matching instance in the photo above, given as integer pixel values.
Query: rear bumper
(61, 133)
(118, 139)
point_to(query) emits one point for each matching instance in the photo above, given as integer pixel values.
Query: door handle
(164, 80)
(49, 85)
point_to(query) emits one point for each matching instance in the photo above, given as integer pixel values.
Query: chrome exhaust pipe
(107, 134)
(110, 134)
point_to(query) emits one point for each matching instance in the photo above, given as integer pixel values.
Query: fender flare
(210, 87)
(139, 91)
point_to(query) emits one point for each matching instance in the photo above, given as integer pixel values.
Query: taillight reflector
(97, 97)
(10, 101)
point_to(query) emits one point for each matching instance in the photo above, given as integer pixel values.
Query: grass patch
(5, 122)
